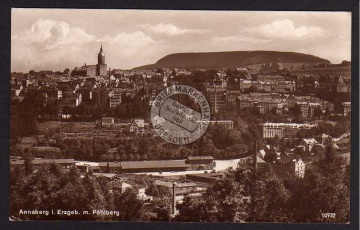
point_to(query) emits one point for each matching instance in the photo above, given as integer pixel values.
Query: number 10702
(328, 215)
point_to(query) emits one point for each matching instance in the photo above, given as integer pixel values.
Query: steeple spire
(101, 50)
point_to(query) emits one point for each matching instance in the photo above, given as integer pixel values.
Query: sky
(55, 39)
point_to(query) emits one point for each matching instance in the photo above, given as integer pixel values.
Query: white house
(299, 168)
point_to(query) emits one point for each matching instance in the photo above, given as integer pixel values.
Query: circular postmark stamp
(180, 121)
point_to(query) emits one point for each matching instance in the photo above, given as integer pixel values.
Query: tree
(158, 191)
(131, 208)
(28, 166)
(318, 112)
(206, 147)
(252, 89)
(162, 209)
(319, 193)
(94, 199)
(329, 154)
(36, 192)
(270, 156)
(192, 209)
(224, 202)
(327, 112)
(276, 142)
(296, 110)
(67, 71)
(270, 198)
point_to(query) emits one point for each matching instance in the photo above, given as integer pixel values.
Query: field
(48, 125)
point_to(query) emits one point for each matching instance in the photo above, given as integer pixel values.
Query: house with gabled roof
(137, 126)
(324, 139)
(289, 166)
(120, 186)
(308, 143)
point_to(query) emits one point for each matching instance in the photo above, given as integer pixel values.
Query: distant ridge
(229, 59)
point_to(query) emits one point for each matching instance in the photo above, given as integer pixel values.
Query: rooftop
(201, 158)
(154, 164)
(43, 161)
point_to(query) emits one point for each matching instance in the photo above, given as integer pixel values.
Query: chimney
(255, 155)
(109, 78)
(173, 208)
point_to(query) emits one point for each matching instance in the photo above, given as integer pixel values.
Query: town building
(70, 100)
(207, 178)
(65, 164)
(154, 166)
(341, 86)
(308, 143)
(288, 166)
(181, 188)
(201, 162)
(216, 97)
(137, 126)
(269, 67)
(107, 121)
(270, 130)
(114, 99)
(120, 186)
(231, 97)
(269, 83)
(263, 102)
(299, 168)
(323, 139)
(110, 167)
(345, 108)
(85, 167)
(227, 124)
(270, 78)
(15, 90)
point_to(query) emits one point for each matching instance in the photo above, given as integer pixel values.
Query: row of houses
(221, 98)
(310, 82)
(265, 102)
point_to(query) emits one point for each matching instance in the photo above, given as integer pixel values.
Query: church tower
(101, 57)
(101, 66)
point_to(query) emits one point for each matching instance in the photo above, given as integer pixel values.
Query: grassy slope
(230, 59)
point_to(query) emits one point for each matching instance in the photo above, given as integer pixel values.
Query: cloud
(52, 34)
(128, 42)
(170, 29)
(49, 44)
(130, 49)
(286, 29)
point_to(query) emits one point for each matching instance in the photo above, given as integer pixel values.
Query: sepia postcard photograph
(180, 116)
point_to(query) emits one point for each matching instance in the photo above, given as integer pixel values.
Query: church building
(92, 70)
